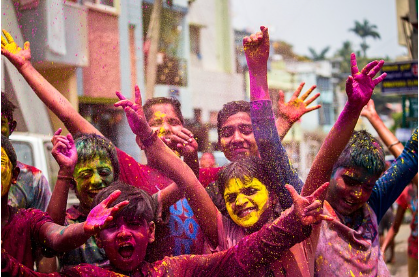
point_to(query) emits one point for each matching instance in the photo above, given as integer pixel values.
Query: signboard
(402, 78)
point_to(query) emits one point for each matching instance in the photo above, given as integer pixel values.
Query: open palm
(13, 52)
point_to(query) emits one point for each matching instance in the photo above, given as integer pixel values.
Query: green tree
(318, 56)
(345, 53)
(364, 30)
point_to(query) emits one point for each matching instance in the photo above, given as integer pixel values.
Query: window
(111, 6)
(325, 114)
(195, 39)
(323, 83)
(24, 152)
(52, 164)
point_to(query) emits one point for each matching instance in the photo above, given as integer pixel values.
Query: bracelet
(150, 140)
(394, 143)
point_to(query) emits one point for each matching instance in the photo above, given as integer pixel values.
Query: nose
(237, 136)
(165, 129)
(96, 181)
(357, 191)
(123, 232)
(241, 200)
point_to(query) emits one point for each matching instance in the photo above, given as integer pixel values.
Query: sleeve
(37, 219)
(249, 256)
(132, 172)
(391, 184)
(11, 267)
(272, 152)
(42, 190)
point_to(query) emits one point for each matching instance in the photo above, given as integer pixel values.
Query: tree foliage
(365, 30)
(318, 56)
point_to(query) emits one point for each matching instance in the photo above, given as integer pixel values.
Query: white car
(35, 150)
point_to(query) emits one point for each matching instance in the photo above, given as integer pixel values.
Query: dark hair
(140, 202)
(229, 109)
(362, 150)
(162, 100)
(7, 107)
(244, 169)
(90, 146)
(10, 151)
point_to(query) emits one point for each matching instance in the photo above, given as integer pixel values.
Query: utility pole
(153, 37)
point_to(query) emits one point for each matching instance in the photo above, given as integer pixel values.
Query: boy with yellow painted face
(25, 231)
(87, 165)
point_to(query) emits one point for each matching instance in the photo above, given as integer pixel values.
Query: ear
(151, 231)
(12, 126)
(98, 240)
(15, 174)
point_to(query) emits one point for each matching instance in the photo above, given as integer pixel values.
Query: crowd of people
(176, 216)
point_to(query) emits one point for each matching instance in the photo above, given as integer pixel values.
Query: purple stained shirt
(250, 255)
(31, 189)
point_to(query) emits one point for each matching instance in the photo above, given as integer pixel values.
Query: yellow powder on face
(158, 115)
(258, 200)
(6, 172)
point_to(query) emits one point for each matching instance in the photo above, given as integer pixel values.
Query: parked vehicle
(35, 150)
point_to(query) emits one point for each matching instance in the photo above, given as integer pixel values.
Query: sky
(321, 23)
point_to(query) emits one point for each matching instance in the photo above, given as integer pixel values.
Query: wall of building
(102, 77)
(213, 77)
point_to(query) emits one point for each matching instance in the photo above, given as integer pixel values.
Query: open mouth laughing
(126, 250)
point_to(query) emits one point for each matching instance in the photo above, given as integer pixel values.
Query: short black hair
(229, 109)
(244, 169)
(162, 100)
(140, 202)
(7, 107)
(10, 151)
(90, 146)
(362, 150)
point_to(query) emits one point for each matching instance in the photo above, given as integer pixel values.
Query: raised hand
(102, 214)
(309, 209)
(297, 106)
(369, 110)
(360, 85)
(135, 114)
(256, 49)
(13, 52)
(183, 142)
(64, 151)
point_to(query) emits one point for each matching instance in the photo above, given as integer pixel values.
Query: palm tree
(318, 56)
(365, 30)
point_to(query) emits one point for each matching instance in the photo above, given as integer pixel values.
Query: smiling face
(247, 203)
(164, 120)
(125, 242)
(236, 137)
(6, 173)
(92, 176)
(349, 189)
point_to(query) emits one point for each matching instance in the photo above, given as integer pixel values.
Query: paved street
(399, 268)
